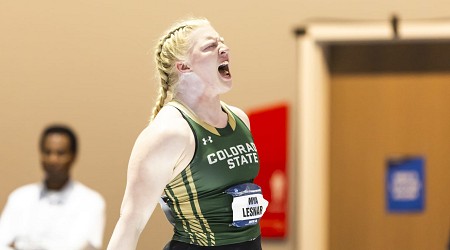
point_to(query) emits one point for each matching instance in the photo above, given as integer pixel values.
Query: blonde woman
(196, 150)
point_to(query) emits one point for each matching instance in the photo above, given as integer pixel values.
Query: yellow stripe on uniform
(198, 209)
(177, 210)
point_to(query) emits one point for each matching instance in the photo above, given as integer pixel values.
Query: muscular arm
(160, 151)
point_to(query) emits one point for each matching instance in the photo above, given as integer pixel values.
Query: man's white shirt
(40, 219)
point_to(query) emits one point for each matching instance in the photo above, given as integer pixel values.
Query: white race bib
(248, 204)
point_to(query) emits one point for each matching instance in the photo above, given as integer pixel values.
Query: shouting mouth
(224, 71)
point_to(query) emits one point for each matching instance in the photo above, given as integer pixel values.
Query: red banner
(269, 127)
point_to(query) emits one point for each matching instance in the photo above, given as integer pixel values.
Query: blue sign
(405, 187)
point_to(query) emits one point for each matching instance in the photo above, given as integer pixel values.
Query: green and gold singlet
(223, 157)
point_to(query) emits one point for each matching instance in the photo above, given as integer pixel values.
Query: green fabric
(223, 158)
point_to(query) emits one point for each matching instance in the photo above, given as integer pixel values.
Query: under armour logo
(207, 140)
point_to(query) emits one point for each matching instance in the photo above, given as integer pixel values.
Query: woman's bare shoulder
(241, 114)
(168, 131)
(167, 142)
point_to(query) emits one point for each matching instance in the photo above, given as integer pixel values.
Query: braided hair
(172, 47)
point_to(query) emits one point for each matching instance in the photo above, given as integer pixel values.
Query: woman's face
(208, 59)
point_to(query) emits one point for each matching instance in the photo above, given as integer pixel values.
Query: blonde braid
(164, 80)
(171, 48)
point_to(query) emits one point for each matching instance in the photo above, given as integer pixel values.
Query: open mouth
(224, 70)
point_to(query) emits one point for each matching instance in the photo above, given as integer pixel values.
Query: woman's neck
(208, 110)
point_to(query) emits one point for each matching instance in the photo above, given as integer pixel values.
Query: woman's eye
(210, 46)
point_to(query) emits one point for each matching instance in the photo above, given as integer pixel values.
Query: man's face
(57, 157)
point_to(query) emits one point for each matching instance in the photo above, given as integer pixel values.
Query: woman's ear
(182, 67)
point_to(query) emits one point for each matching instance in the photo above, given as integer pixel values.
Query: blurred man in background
(57, 213)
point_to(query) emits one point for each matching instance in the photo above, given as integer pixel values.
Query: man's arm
(8, 225)
(97, 227)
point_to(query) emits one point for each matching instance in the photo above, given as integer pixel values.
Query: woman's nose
(223, 50)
